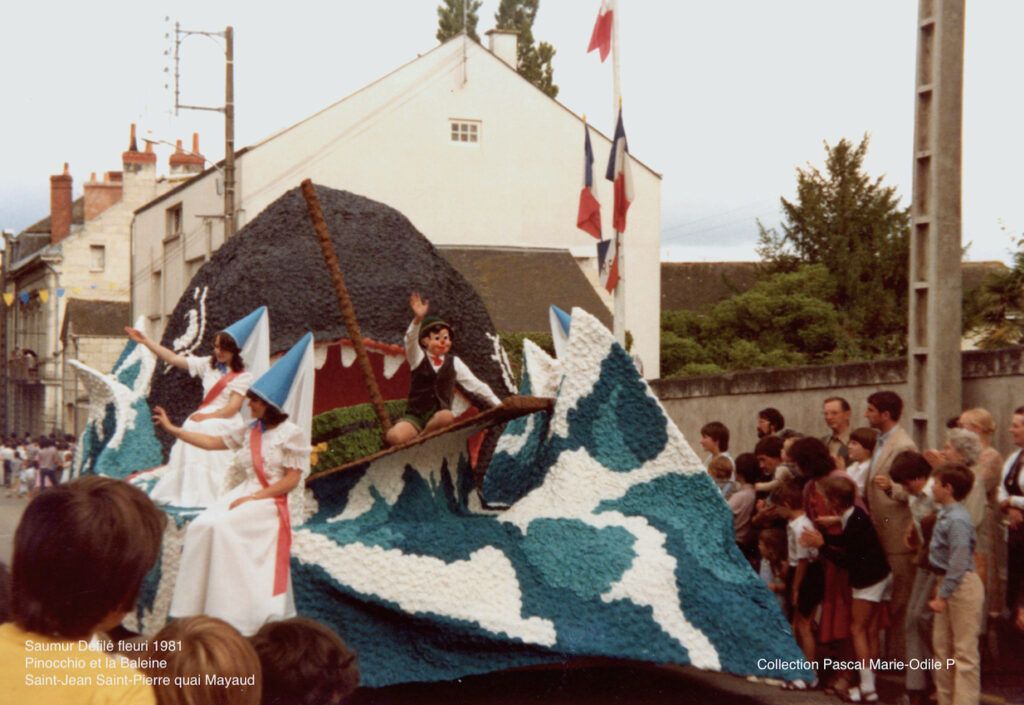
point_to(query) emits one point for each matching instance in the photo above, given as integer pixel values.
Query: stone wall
(991, 379)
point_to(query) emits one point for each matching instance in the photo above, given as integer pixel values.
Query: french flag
(601, 37)
(608, 264)
(619, 173)
(588, 218)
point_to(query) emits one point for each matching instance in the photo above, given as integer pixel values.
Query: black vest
(430, 390)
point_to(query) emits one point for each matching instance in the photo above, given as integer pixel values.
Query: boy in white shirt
(808, 577)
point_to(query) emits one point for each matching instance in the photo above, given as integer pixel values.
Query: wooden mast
(348, 312)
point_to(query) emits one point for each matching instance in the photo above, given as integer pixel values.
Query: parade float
(573, 521)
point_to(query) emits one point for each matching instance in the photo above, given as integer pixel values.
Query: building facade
(468, 150)
(79, 252)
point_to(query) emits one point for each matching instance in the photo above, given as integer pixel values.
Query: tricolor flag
(588, 218)
(601, 37)
(608, 264)
(619, 172)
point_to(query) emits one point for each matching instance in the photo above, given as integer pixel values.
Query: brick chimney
(504, 44)
(60, 206)
(136, 162)
(101, 195)
(184, 163)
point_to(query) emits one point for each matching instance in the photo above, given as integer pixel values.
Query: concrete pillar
(935, 240)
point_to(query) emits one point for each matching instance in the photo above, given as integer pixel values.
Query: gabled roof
(698, 285)
(518, 285)
(77, 218)
(694, 286)
(419, 58)
(96, 318)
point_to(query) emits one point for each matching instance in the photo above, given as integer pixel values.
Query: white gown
(194, 477)
(228, 560)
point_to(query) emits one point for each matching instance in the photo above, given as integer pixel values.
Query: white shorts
(879, 592)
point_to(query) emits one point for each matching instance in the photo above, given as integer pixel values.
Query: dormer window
(465, 131)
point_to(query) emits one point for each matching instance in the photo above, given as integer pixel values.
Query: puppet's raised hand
(418, 305)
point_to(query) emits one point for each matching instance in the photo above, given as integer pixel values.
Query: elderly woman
(991, 469)
(964, 447)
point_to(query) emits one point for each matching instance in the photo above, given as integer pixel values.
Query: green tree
(786, 319)
(534, 59)
(994, 312)
(854, 226)
(449, 19)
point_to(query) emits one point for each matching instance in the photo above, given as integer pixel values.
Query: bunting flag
(24, 297)
(588, 218)
(44, 295)
(608, 264)
(8, 297)
(601, 37)
(60, 292)
(619, 173)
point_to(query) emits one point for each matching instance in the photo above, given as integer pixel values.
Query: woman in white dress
(193, 477)
(235, 559)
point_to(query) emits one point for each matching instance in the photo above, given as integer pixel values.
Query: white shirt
(200, 367)
(858, 472)
(794, 529)
(1001, 494)
(464, 377)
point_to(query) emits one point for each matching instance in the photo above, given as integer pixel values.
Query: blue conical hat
(560, 322)
(241, 329)
(274, 386)
(563, 318)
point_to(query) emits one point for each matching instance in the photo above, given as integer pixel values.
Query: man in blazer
(888, 504)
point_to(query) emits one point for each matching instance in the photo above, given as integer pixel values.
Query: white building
(468, 150)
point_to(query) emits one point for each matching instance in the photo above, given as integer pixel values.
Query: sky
(725, 99)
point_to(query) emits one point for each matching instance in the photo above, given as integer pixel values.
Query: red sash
(217, 388)
(284, 531)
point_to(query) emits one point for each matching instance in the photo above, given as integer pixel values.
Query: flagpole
(619, 315)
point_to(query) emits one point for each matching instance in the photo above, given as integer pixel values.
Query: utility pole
(933, 340)
(230, 212)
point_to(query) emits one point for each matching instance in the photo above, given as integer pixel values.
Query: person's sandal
(856, 695)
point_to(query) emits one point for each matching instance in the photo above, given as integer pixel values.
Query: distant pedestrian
(769, 421)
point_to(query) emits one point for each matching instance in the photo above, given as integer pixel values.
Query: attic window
(467, 131)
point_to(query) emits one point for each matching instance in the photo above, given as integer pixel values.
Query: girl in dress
(193, 477)
(235, 559)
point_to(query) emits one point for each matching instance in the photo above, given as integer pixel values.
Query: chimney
(101, 195)
(60, 206)
(503, 43)
(184, 163)
(135, 161)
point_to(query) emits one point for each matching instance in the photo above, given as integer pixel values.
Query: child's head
(789, 498)
(911, 470)
(772, 545)
(952, 482)
(81, 551)
(720, 468)
(747, 469)
(862, 444)
(304, 663)
(840, 492)
(436, 336)
(205, 646)
(714, 437)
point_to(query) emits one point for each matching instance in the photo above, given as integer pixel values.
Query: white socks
(867, 680)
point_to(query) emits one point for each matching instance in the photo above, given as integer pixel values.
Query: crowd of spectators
(877, 549)
(31, 463)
